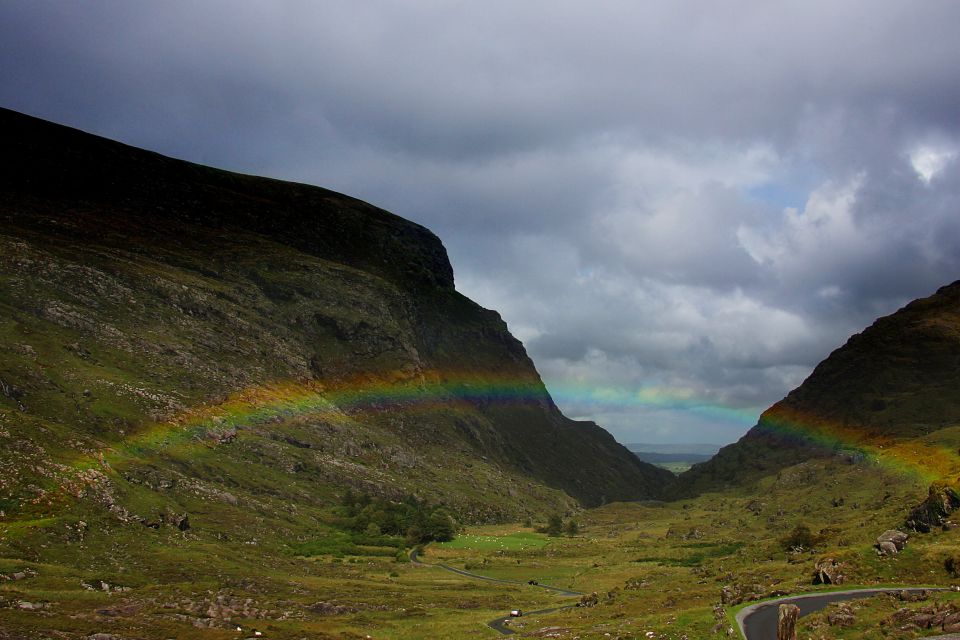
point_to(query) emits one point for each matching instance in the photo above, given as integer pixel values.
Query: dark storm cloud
(697, 198)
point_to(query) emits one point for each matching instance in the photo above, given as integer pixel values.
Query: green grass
(512, 542)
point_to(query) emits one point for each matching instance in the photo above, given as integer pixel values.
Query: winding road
(756, 622)
(759, 621)
(501, 624)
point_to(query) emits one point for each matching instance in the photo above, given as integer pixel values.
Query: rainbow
(924, 459)
(431, 391)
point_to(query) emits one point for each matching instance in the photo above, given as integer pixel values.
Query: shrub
(801, 538)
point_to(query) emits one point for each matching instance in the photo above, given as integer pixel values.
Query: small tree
(801, 538)
(572, 528)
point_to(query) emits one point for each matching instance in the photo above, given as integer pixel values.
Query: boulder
(887, 548)
(891, 542)
(828, 571)
(787, 622)
(841, 619)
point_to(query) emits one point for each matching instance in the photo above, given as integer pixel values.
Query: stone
(842, 617)
(828, 571)
(787, 622)
(922, 620)
(887, 548)
(589, 600)
(897, 538)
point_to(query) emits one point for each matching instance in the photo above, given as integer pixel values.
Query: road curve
(500, 624)
(759, 621)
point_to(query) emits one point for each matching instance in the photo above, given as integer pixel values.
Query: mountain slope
(188, 325)
(896, 382)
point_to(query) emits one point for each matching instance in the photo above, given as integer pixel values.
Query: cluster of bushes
(556, 526)
(414, 520)
(340, 543)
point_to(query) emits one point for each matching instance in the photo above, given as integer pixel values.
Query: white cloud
(929, 161)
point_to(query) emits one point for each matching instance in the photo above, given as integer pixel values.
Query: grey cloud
(616, 179)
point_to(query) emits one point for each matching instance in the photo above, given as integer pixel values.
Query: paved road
(759, 621)
(501, 624)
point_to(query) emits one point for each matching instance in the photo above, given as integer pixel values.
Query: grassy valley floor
(657, 569)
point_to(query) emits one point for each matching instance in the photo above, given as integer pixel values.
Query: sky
(679, 207)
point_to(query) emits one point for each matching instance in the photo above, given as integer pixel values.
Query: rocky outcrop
(828, 571)
(939, 617)
(941, 501)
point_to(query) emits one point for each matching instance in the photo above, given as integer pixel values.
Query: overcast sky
(680, 207)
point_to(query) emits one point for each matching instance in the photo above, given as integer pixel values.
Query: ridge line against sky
(687, 197)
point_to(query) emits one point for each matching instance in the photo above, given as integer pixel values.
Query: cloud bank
(679, 207)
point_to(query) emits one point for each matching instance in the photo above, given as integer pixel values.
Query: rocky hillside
(176, 338)
(898, 381)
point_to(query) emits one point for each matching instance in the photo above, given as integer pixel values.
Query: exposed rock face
(898, 378)
(932, 512)
(194, 284)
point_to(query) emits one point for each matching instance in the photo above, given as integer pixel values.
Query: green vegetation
(417, 521)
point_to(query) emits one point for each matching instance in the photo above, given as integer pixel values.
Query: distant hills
(696, 449)
(887, 391)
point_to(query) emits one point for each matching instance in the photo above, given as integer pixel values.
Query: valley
(236, 407)
(674, 570)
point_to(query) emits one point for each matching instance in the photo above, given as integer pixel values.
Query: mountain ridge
(898, 379)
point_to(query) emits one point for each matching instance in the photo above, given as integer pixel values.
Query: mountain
(896, 384)
(181, 339)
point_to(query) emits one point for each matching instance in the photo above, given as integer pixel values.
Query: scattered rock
(737, 593)
(331, 609)
(589, 600)
(945, 617)
(120, 612)
(180, 521)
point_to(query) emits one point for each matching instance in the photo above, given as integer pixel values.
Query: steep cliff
(187, 333)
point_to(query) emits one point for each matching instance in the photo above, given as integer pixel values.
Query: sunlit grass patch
(519, 541)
